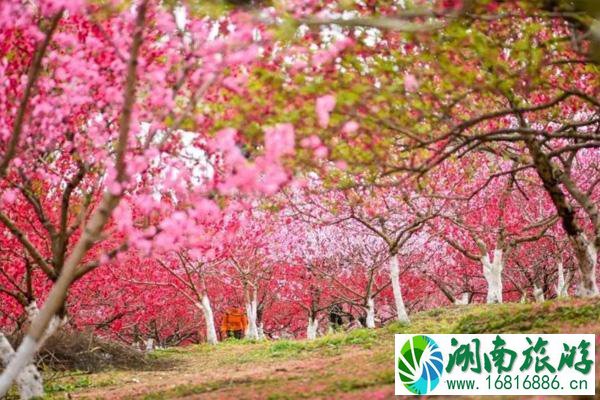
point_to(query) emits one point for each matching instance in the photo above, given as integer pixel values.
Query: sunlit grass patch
(547, 317)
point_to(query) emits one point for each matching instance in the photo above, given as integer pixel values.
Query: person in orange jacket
(234, 323)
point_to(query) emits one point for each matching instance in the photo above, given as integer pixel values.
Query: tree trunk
(585, 251)
(312, 328)
(211, 332)
(538, 294)
(251, 308)
(462, 300)
(401, 313)
(523, 298)
(587, 255)
(562, 289)
(370, 313)
(29, 381)
(56, 322)
(261, 331)
(492, 272)
(92, 230)
(149, 345)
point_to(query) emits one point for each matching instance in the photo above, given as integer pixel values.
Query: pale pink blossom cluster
(266, 174)
(329, 54)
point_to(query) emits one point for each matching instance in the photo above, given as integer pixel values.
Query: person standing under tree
(234, 324)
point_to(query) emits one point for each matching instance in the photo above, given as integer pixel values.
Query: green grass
(363, 337)
(547, 317)
(77, 383)
(356, 363)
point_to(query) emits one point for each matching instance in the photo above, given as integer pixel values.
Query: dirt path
(341, 374)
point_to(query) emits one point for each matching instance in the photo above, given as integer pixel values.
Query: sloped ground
(356, 365)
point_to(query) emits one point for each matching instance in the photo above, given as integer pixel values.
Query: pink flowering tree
(105, 125)
(490, 221)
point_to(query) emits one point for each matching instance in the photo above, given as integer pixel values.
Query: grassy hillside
(353, 365)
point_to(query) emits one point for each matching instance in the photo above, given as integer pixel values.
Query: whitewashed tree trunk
(261, 331)
(31, 310)
(29, 381)
(492, 272)
(587, 257)
(56, 322)
(562, 289)
(462, 300)
(149, 344)
(523, 299)
(370, 313)
(251, 309)
(538, 294)
(209, 320)
(593, 256)
(312, 328)
(401, 313)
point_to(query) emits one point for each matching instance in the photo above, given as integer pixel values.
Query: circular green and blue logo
(420, 364)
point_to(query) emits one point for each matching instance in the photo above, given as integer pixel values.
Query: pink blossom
(244, 178)
(245, 56)
(279, 140)
(115, 188)
(299, 65)
(224, 139)
(104, 259)
(123, 217)
(9, 196)
(341, 165)
(234, 83)
(145, 203)
(311, 142)
(410, 83)
(322, 57)
(342, 44)
(329, 54)
(207, 209)
(225, 143)
(452, 4)
(321, 152)
(350, 127)
(274, 177)
(72, 6)
(324, 107)
(165, 22)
